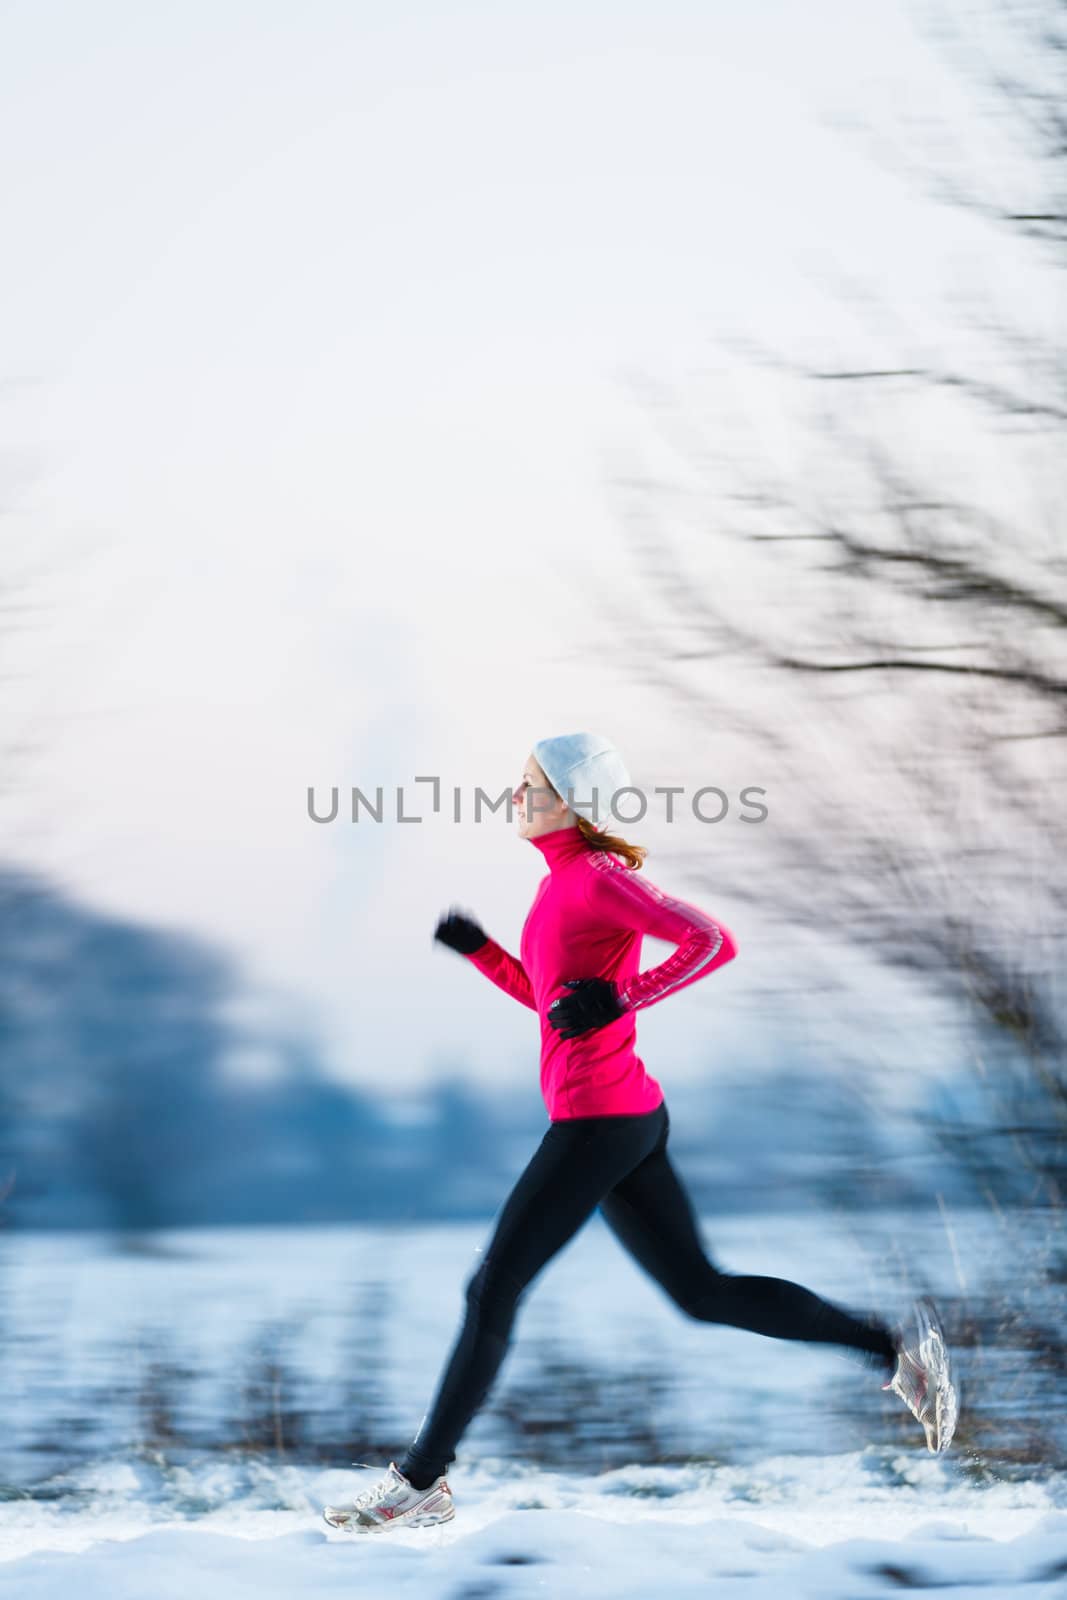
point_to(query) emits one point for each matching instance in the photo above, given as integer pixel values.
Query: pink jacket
(587, 920)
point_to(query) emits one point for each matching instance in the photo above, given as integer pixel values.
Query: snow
(640, 1531)
(626, 1450)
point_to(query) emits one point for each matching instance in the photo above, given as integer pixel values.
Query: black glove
(460, 933)
(592, 1003)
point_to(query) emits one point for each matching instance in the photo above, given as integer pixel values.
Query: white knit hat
(586, 770)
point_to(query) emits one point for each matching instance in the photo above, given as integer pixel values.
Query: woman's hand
(460, 933)
(592, 1003)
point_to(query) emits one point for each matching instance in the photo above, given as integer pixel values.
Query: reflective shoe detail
(393, 1503)
(923, 1378)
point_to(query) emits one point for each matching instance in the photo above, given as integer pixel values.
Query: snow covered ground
(178, 1412)
(825, 1528)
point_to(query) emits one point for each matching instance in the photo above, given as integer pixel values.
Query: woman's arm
(626, 899)
(505, 971)
(468, 938)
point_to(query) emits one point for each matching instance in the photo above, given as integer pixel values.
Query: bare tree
(887, 615)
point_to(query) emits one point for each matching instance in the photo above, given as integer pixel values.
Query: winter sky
(319, 322)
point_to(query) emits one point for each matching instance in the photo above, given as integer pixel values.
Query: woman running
(606, 1144)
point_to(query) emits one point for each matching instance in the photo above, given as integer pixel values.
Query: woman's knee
(705, 1296)
(493, 1287)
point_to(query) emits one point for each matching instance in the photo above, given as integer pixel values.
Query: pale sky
(317, 321)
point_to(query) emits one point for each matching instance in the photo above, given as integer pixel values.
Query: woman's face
(538, 808)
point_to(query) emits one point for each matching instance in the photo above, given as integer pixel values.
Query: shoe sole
(424, 1520)
(934, 1355)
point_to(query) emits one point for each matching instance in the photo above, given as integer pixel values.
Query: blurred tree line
(124, 1104)
(120, 1106)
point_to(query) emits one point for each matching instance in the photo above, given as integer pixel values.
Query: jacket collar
(561, 846)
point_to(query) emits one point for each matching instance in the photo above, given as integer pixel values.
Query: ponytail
(632, 854)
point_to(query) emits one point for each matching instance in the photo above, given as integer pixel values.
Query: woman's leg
(575, 1165)
(650, 1212)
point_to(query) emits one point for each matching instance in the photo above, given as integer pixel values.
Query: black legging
(620, 1164)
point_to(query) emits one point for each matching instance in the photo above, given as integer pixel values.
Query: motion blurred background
(386, 389)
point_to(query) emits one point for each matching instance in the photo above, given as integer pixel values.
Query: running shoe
(923, 1378)
(393, 1503)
